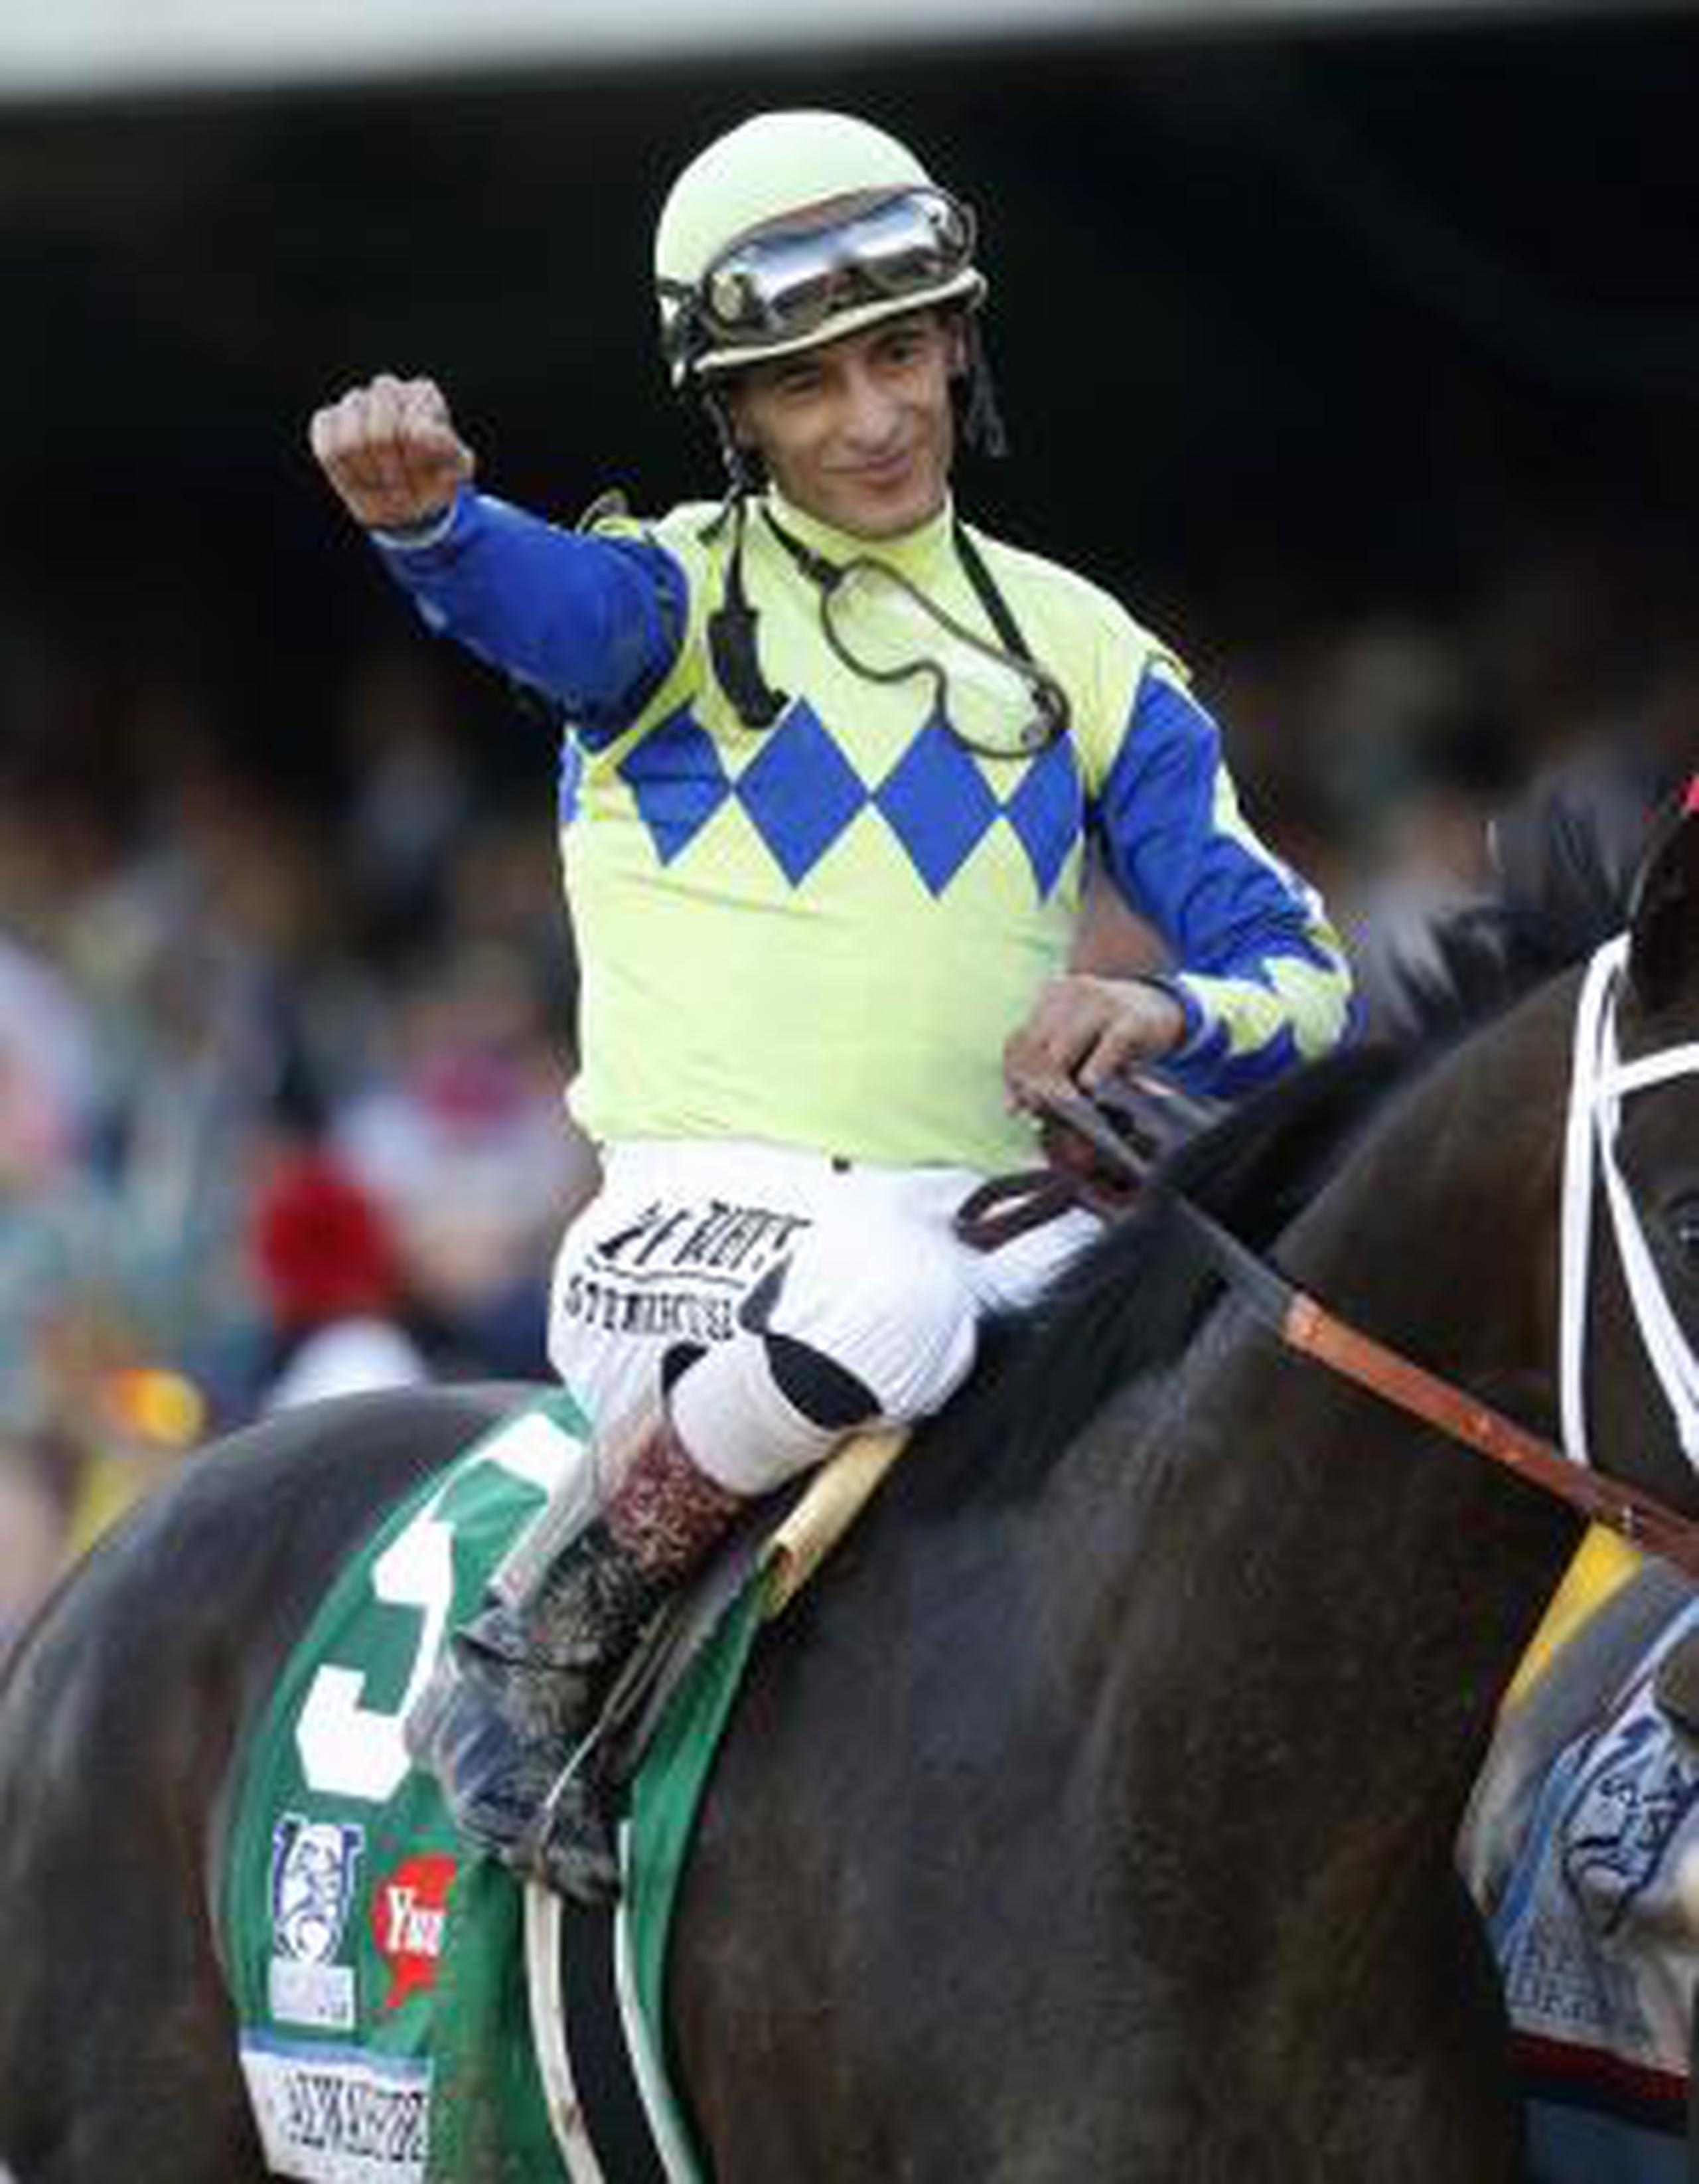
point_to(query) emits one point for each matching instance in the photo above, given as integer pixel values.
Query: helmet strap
(981, 421)
(731, 649)
(742, 467)
(732, 652)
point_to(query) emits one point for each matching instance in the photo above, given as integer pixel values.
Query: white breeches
(800, 1297)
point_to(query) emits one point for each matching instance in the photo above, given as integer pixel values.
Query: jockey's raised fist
(391, 452)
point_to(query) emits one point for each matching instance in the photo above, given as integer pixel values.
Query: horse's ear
(1663, 930)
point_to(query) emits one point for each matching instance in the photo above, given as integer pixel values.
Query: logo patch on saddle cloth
(313, 1866)
(410, 1913)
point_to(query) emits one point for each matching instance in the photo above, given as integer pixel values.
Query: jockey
(831, 760)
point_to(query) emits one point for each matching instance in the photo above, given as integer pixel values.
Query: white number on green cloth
(348, 1749)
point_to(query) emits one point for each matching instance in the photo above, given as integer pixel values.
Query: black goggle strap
(1047, 694)
(683, 336)
(998, 610)
(1051, 698)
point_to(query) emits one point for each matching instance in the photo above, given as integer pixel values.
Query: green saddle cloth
(376, 1967)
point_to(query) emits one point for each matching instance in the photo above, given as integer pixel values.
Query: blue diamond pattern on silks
(676, 781)
(937, 804)
(1047, 810)
(800, 791)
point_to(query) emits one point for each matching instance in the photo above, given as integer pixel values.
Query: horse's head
(1632, 1366)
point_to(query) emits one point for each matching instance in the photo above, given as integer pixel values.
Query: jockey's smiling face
(859, 431)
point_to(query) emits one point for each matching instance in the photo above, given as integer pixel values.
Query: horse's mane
(1133, 1301)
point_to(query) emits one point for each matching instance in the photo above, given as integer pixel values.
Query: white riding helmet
(795, 228)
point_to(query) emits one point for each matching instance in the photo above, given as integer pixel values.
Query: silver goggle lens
(775, 286)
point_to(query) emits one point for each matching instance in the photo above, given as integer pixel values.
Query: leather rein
(1122, 1138)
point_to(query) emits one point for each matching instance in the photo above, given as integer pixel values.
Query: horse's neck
(1342, 1594)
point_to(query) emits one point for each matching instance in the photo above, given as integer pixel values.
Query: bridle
(1600, 1081)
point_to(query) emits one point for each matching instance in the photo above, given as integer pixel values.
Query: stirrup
(516, 1691)
(493, 1776)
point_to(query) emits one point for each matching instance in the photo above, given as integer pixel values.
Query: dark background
(1288, 328)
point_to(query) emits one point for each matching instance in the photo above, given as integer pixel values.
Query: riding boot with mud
(524, 1681)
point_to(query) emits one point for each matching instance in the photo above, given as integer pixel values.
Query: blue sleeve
(1259, 971)
(592, 623)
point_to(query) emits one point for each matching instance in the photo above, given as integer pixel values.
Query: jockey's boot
(527, 1677)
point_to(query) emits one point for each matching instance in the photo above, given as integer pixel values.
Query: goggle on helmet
(798, 228)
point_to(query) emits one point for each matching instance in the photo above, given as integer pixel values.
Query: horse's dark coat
(1097, 1824)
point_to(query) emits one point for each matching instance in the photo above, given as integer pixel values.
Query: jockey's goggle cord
(1600, 1081)
(786, 283)
(1019, 708)
(994, 698)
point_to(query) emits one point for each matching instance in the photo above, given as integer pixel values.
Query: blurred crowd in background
(281, 1059)
(283, 1046)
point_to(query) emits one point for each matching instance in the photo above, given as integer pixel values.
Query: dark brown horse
(1094, 1816)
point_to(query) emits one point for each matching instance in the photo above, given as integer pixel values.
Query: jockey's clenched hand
(391, 452)
(1083, 1031)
